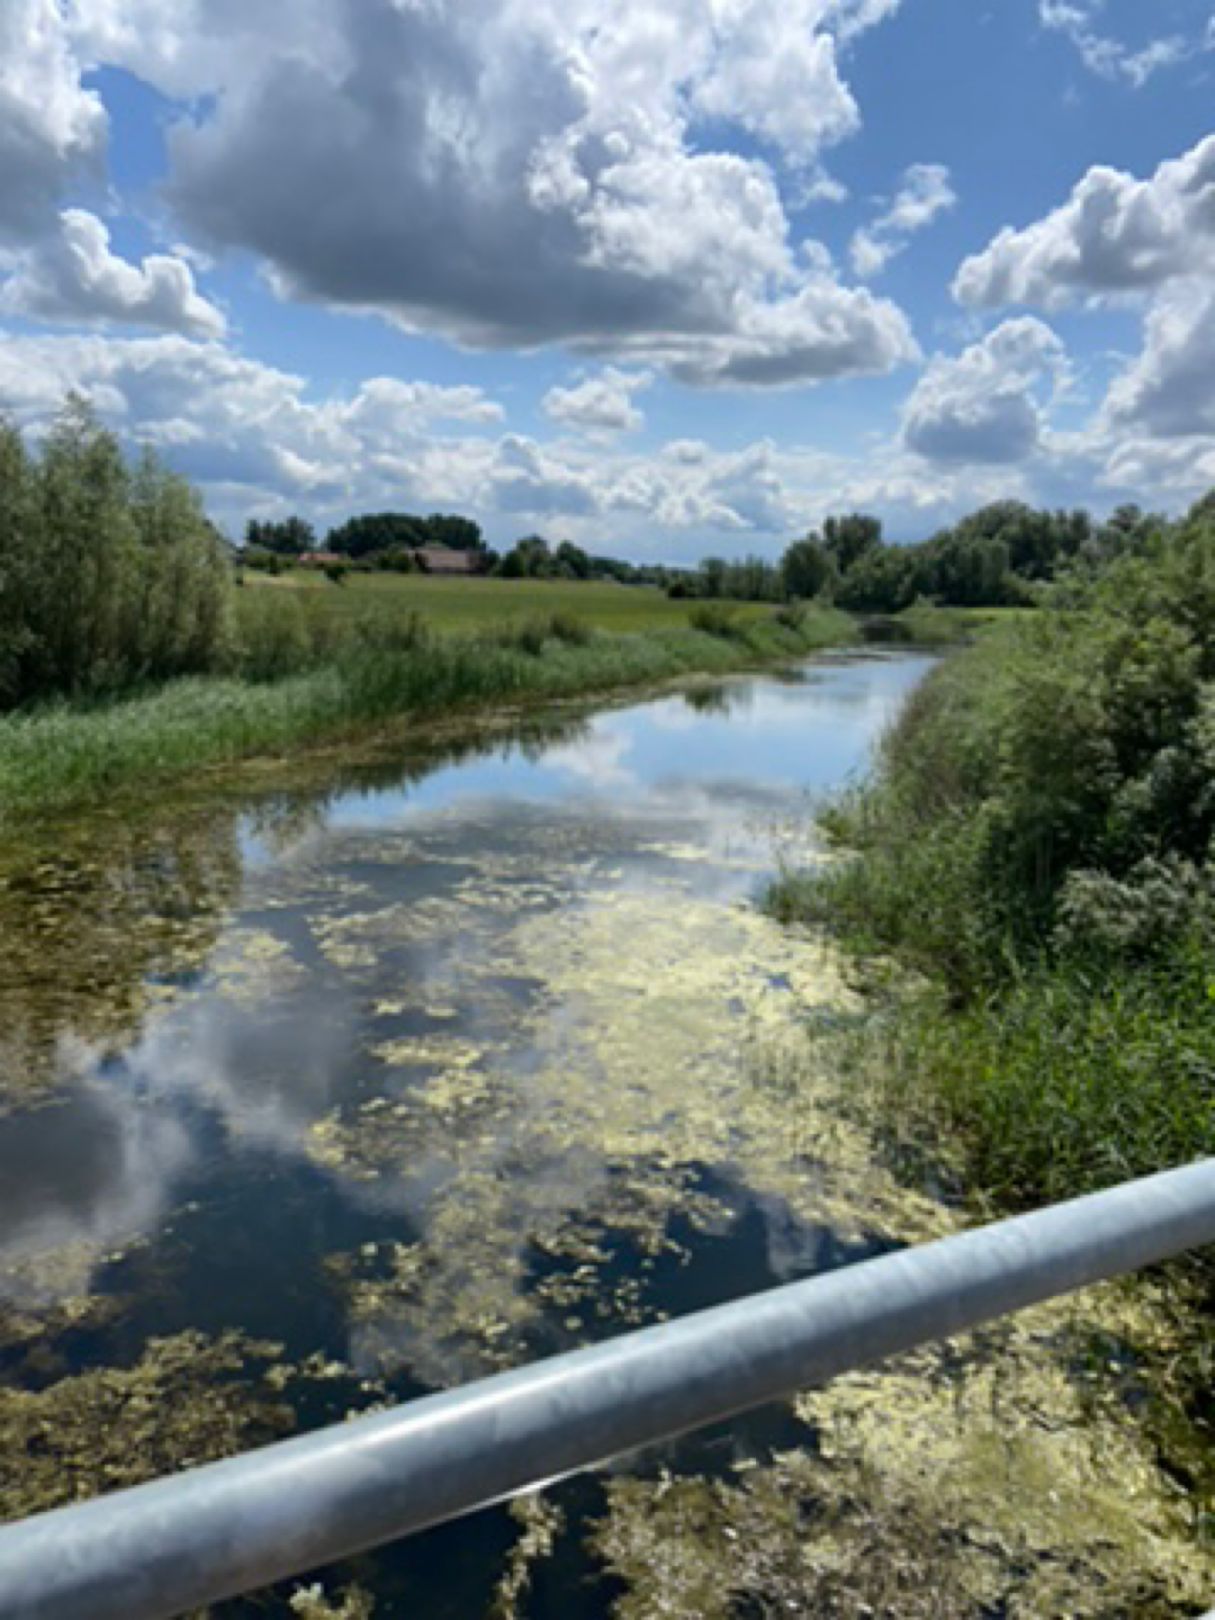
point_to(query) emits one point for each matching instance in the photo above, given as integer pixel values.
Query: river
(327, 1086)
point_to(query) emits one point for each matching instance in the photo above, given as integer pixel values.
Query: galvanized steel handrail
(231, 1527)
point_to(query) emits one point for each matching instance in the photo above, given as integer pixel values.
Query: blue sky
(665, 277)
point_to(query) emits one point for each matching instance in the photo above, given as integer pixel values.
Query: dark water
(423, 1068)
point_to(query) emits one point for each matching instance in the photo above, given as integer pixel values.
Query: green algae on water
(187, 1400)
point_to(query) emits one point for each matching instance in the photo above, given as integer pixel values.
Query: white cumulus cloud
(1115, 234)
(602, 404)
(1168, 392)
(51, 127)
(73, 275)
(524, 172)
(985, 406)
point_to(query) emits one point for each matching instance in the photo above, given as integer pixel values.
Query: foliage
(715, 619)
(806, 568)
(749, 580)
(454, 532)
(1038, 844)
(109, 575)
(312, 675)
(376, 532)
(993, 558)
(849, 539)
(290, 537)
(372, 533)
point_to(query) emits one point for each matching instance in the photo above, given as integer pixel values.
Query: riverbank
(55, 757)
(58, 756)
(1028, 878)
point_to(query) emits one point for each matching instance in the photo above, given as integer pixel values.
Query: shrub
(714, 619)
(273, 638)
(569, 628)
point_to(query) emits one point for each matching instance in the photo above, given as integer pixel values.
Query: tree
(107, 575)
(882, 580)
(20, 545)
(849, 538)
(713, 577)
(806, 568)
(457, 533)
(530, 558)
(372, 532)
(289, 537)
(573, 561)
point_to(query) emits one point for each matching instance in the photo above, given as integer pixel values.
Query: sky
(663, 277)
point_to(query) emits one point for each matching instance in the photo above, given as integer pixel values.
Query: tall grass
(297, 690)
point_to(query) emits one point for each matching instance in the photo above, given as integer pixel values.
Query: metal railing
(231, 1527)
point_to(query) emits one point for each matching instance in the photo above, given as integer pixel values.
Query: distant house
(439, 560)
(320, 559)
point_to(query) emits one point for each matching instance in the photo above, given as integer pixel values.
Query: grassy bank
(64, 755)
(1033, 852)
(1029, 874)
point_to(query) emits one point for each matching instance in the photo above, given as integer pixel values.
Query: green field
(478, 604)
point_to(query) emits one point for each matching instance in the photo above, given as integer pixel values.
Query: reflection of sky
(799, 737)
(101, 1166)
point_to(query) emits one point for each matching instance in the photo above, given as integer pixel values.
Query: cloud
(1167, 392)
(227, 420)
(518, 173)
(73, 276)
(1117, 236)
(524, 478)
(984, 406)
(1111, 58)
(51, 128)
(1161, 473)
(823, 332)
(260, 443)
(773, 70)
(1114, 235)
(602, 404)
(926, 192)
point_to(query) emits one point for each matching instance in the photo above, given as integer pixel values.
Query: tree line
(397, 542)
(999, 556)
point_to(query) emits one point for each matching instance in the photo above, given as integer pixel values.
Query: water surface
(320, 1092)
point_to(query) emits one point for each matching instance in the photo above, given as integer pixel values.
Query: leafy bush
(792, 615)
(110, 575)
(714, 619)
(569, 628)
(1037, 842)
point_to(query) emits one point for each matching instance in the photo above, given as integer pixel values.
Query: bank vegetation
(1034, 856)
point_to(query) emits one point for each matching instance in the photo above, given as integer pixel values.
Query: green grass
(477, 604)
(61, 756)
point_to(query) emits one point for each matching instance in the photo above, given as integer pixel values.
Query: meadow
(456, 604)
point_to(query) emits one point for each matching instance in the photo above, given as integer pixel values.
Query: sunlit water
(434, 1067)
